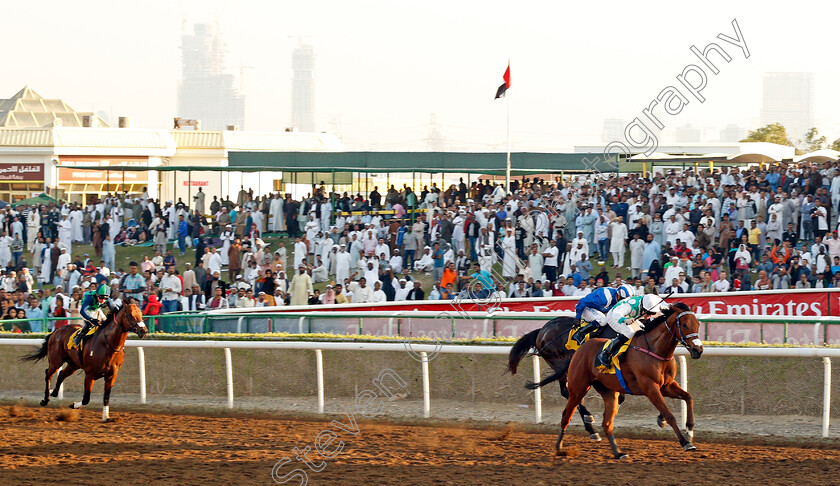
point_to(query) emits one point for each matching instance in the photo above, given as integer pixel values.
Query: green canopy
(37, 200)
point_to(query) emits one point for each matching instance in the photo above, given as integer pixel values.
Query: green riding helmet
(103, 291)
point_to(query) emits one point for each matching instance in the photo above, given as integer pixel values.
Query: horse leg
(653, 394)
(49, 372)
(673, 390)
(65, 373)
(610, 409)
(109, 382)
(587, 418)
(575, 397)
(88, 388)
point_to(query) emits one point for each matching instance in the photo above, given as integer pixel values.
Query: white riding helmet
(652, 303)
(625, 291)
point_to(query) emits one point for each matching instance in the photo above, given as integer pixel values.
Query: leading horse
(101, 356)
(550, 343)
(648, 369)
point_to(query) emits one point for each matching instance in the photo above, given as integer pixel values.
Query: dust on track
(167, 448)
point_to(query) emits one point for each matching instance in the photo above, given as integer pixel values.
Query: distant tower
(613, 130)
(789, 99)
(303, 88)
(206, 92)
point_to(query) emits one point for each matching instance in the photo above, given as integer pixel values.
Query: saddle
(605, 332)
(71, 343)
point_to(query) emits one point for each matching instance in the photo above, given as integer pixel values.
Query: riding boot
(78, 339)
(606, 355)
(580, 335)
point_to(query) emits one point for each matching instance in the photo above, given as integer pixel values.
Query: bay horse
(648, 369)
(101, 356)
(550, 343)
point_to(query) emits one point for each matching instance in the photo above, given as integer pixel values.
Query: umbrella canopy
(37, 200)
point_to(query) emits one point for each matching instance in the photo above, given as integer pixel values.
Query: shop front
(20, 181)
(113, 176)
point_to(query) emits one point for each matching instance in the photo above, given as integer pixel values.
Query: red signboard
(804, 303)
(197, 183)
(21, 172)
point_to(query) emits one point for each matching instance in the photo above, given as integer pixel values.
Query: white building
(44, 143)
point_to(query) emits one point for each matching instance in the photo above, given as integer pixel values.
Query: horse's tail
(520, 349)
(558, 374)
(40, 353)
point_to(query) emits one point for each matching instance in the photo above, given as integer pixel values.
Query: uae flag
(500, 93)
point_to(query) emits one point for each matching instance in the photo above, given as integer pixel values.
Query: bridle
(123, 327)
(681, 338)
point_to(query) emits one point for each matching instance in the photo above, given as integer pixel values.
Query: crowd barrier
(451, 325)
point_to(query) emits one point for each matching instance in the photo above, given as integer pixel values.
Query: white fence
(424, 349)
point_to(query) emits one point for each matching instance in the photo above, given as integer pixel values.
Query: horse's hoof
(622, 456)
(689, 447)
(44, 403)
(595, 437)
(661, 422)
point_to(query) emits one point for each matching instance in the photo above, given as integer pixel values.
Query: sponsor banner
(802, 303)
(197, 183)
(22, 172)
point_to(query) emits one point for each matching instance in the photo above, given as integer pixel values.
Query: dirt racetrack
(166, 448)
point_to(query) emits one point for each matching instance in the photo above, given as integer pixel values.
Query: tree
(773, 133)
(812, 141)
(835, 145)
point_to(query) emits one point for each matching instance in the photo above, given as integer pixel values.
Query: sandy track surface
(167, 448)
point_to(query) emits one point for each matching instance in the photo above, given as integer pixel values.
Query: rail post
(391, 323)
(239, 325)
(319, 371)
(300, 324)
(537, 392)
(426, 393)
(684, 386)
(141, 357)
(826, 396)
(229, 371)
(61, 388)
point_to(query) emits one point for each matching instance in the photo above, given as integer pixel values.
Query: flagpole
(507, 170)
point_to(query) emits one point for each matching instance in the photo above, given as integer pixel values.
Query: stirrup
(582, 332)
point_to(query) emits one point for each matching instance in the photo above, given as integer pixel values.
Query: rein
(682, 339)
(105, 340)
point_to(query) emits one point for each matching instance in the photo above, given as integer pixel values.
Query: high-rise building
(303, 88)
(207, 92)
(789, 99)
(732, 133)
(688, 134)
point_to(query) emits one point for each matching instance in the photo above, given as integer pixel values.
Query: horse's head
(131, 319)
(684, 326)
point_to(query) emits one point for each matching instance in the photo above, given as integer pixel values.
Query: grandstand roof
(522, 163)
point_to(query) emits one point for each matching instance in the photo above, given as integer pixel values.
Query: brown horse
(102, 353)
(550, 343)
(648, 369)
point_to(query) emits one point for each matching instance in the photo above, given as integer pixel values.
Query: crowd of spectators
(721, 230)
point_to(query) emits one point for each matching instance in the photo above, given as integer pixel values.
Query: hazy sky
(383, 66)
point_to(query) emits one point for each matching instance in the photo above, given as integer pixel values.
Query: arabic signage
(197, 183)
(22, 172)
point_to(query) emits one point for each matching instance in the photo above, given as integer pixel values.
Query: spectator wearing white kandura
(618, 239)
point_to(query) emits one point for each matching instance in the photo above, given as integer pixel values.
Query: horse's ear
(693, 307)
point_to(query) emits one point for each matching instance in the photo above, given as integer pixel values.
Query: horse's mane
(672, 308)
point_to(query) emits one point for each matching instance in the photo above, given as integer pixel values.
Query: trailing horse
(648, 369)
(550, 343)
(101, 356)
